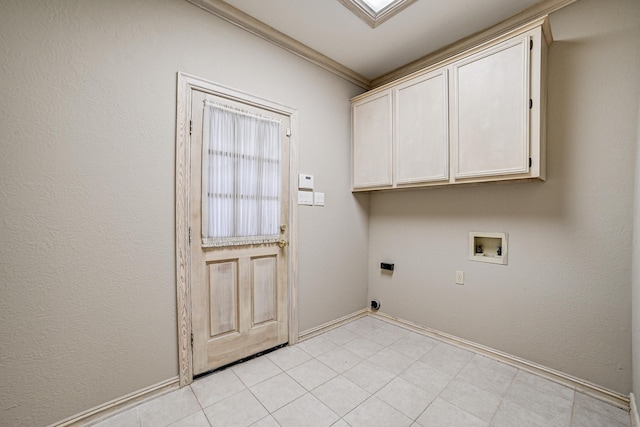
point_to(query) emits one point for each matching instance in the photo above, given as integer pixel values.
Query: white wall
(87, 155)
(564, 299)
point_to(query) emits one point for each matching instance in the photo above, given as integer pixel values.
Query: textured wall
(87, 155)
(564, 298)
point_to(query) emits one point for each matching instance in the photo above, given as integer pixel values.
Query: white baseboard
(118, 405)
(635, 418)
(585, 387)
(310, 333)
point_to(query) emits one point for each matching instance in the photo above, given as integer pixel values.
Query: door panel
(264, 289)
(223, 300)
(239, 293)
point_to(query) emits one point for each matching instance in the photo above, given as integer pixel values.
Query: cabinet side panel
(541, 139)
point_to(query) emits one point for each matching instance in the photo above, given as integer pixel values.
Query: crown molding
(237, 17)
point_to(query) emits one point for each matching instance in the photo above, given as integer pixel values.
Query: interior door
(238, 282)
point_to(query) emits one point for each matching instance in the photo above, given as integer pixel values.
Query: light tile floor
(370, 373)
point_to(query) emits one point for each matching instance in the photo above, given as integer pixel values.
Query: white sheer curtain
(240, 177)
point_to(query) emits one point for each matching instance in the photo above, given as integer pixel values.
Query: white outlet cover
(318, 199)
(305, 198)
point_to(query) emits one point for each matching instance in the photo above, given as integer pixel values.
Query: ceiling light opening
(375, 12)
(378, 5)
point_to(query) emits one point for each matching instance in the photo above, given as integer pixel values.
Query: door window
(240, 177)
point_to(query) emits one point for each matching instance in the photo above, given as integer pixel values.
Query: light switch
(305, 198)
(305, 181)
(318, 199)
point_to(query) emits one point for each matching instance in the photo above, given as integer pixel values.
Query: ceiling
(425, 26)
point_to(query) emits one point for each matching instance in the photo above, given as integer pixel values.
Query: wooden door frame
(187, 83)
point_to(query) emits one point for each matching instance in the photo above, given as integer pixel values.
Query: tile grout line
(371, 395)
(459, 379)
(573, 408)
(254, 396)
(503, 398)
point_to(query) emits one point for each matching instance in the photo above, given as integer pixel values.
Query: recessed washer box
(488, 247)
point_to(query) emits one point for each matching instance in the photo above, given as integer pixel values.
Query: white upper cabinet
(491, 111)
(372, 141)
(477, 116)
(421, 129)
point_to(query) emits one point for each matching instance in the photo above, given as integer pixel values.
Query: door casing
(186, 84)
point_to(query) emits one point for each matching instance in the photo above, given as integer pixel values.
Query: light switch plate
(318, 199)
(305, 181)
(305, 198)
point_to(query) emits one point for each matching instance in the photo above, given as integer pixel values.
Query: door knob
(283, 243)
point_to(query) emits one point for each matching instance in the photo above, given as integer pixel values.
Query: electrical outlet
(459, 277)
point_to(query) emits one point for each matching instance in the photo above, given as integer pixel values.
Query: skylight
(375, 12)
(378, 5)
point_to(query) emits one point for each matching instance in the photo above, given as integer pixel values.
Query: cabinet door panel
(372, 142)
(421, 129)
(491, 117)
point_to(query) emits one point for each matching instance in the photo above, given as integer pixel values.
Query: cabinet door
(372, 141)
(421, 129)
(491, 112)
